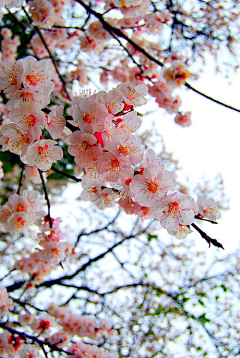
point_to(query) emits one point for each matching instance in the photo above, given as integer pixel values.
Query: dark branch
(207, 238)
(46, 198)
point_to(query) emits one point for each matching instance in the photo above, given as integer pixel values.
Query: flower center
(174, 206)
(152, 186)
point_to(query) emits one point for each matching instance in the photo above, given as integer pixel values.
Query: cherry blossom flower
(11, 3)
(91, 189)
(60, 339)
(42, 13)
(106, 199)
(36, 75)
(83, 326)
(43, 324)
(151, 185)
(150, 159)
(21, 211)
(9, 45)
(27, 115)
(18, 203)
(129, 122)
(89, 114)
(19, 140)
(174, 209)
(164, 96)
(177, 74)
(125, 146)
(112, 100)
(134, 95)
(27, 95)
(129, 206)
(181, 232)
(28, 351)
(112, 168)
(8, 77)
(18, 222)
(42, 154)
(183, 120)
(208, 208)
(84, 147)
(56, 122)
(97, 32)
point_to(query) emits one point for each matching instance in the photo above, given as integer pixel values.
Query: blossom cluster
(8, 45)
(28, 85)
(105, 148)
(55, 328)
(45, 14)
(54, 248)
(82, 326)
(81, 349)
(107, 151)
(21, 211)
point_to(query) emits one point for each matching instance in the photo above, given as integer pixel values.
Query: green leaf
(201, 303)
(150, 237)
(203, 319)
(224, 288)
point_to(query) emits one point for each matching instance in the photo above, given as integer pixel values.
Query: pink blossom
(129, 122)
(18, 222)
(91, 189)
(129, 206)
(181, 232)
(27, 95)
(183, 120)
(8, 77)
(84, 147)
(89, 114)
(177, 74)
(150, 159)
(18, 140)
(174, 209)
(208, 208)
(56, 122)
(32, 173)
(112, 100)
(112, 168)
(134, 95)
(106, 198)
(125, 146)
(152, 185)
(36, 75)
(27, 115)
(43, 153)
(42, 12)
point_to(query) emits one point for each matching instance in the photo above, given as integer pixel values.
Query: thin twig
(66, 175)
(20, 180)
(199, 217)
(46, 198)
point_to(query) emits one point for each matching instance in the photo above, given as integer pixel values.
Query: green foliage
(203, 319)
(151, 237)
(224, 288)
(9, 160)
